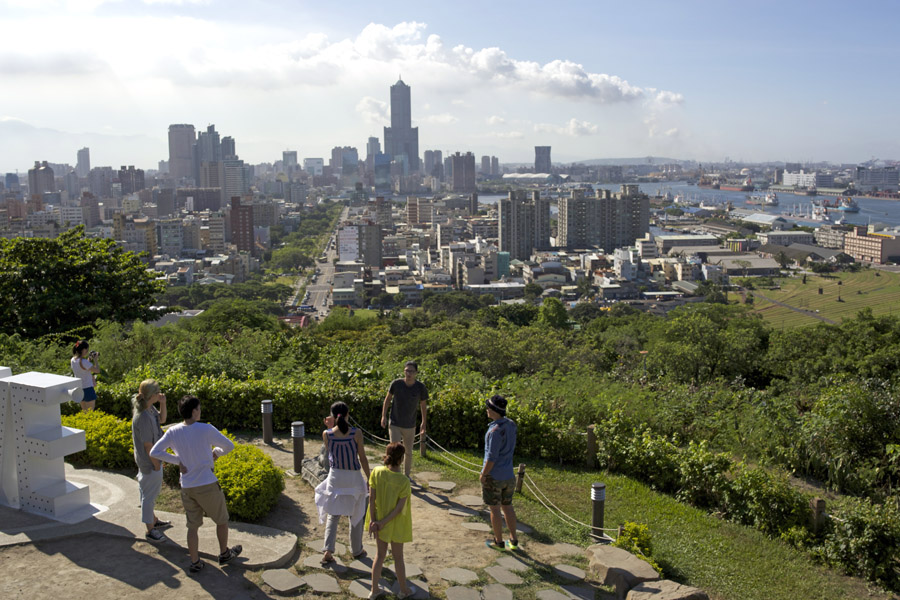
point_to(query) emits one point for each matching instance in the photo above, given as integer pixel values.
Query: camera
(94, 354)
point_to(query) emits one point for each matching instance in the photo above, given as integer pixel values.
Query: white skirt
(343, 493)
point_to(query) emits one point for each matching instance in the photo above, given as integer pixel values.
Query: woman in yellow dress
(389, 518)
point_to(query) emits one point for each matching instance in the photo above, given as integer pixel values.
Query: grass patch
(868, 288)
(727, 560)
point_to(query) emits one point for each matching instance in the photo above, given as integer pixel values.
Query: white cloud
(495, 120)
(573, 128)
(508, 135)
(373, 111)
(178, 2)
(443, 119)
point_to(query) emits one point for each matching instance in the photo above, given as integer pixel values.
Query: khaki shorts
(495, 492)
(207, 499)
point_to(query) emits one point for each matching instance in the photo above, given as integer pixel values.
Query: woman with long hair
(146, 431)
(344, 491)
(85, 367)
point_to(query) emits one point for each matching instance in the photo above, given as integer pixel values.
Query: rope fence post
(598, 501)
(590, 457)
(520, 478)
(267, 421)
(298, 432)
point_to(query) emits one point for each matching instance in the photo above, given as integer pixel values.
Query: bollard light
(598, 502)
(298, 432)
(267, 421)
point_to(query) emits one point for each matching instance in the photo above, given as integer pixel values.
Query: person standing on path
(84, 367)
(390, 518)
(146, 431)
(343, 492)
(403, 399)
(498, 481)
(196, 446)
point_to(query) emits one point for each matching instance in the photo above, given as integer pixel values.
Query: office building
(485, 165)
(882, 179)
(542, 162)
(401, 139)
(872, 246)
(289, 161)
(41, 179)
(83, 166)
(207, 149)
(314, 166)
(131, 179)
(463, 169)
(373, 148)
(181, 143)
(242, 225)
(228, 147)
(524, 224)
(495, 166)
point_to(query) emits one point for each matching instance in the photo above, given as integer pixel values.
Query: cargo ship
(842, 203)
(770, 199)
(744, 186)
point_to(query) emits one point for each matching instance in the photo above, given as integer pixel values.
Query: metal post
(267, 421)
(590, 458)
(298, 431)
(598, 500)
(520, 478)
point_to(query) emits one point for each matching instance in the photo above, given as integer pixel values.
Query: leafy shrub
(636, 538)
(766, 501)
(109, 444)
(864, 540)
(702, 476)
(250, 480)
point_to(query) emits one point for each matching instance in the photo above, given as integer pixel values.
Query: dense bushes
(250, 480)
(108, 439)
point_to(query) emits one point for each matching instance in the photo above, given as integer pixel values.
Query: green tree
(584, 287)
(553, 313)
(533, 291)
(58, 285)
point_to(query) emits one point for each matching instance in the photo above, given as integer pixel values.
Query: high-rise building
(542, 162)
(228, 147)
(463, 172)
(485, 165)
(314, 166)
(373, 147)
(100, 181)
(181, 157)
(41, 179)
(289, 161)
(524, 224)
(83, 166)
(604, 220)
(12, 182)
(132, 179)
(242, 225)
(401, 139)
(495, 166)
(207, 148)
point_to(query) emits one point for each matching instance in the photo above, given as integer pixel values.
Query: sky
(707, 80)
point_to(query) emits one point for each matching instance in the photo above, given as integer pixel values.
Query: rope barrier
(384, 441)
(445, 456)
(459, 458)
(571, 518)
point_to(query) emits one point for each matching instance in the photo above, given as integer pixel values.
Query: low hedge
(108, 438)
(251, 482)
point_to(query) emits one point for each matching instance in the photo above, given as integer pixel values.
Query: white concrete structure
(33, 443)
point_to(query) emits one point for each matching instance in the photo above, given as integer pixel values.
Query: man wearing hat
(498, 482)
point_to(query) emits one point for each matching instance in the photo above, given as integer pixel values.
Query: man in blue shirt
(498, 482)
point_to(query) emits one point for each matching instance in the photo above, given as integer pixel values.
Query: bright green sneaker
(512, 545)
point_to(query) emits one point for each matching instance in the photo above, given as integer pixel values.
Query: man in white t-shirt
(196, 446)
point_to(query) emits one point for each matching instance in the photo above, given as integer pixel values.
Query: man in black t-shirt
(403, 398)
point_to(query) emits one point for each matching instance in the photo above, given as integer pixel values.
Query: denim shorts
(89, 395)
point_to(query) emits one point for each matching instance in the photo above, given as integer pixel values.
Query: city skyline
(695, 80)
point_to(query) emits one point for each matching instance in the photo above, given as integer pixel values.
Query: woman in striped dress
(344, 492)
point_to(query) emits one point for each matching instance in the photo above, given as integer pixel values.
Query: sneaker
(230, 554)
(197, 566)
(512, 545)
(375, 593)
(155, 535)
(494, 545)
(162, 524)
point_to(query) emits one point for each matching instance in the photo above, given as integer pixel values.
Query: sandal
(327, 560)
(230, 554)
(196, 567)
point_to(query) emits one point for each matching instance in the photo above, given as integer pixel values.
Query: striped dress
(344, 491)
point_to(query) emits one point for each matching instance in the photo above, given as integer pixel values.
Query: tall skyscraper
(132, 179)
(207, 148)
(373, 147)
(83, 166)
(495, 165)
(463, 172)
(228, 148)
(181, 142)
(41, 179)
(542, 162)
(524, 224)
(289, 161)
(401, 139)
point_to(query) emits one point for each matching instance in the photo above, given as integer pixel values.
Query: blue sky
(705, 80)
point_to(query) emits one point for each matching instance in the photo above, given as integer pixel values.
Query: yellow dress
(389, 487)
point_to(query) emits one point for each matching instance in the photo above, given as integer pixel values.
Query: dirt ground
(106, 568)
